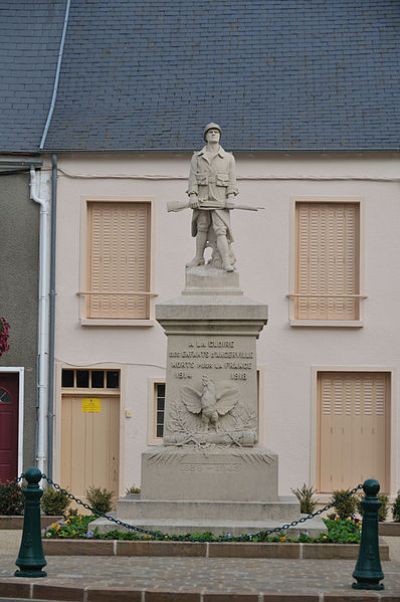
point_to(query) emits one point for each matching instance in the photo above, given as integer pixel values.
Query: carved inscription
(210, 467)
(212, 354)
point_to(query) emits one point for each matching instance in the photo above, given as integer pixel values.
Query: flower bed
(343, 531)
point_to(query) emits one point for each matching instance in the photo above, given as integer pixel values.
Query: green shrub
(54, 501)
(75, 526)
(132, 490)
(305, 495)
(396, 508)
(99, 499)
(345, 503)
(342, 531)
(383, 510)
(11, 499)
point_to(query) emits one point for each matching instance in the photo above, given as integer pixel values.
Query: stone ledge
(76, 547)
(16, 522)
(389, 529)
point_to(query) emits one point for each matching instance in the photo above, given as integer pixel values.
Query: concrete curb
(389, 529)
(16, 522)
(299, 551)
(40, 591)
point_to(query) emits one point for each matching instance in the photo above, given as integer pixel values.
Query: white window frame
(152, 438)
(293, 321)
(84, 320)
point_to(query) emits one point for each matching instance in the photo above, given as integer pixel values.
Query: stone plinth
(211, 393)
(218, 474)
(209, 473)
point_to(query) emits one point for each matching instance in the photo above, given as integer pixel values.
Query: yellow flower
(282, 538)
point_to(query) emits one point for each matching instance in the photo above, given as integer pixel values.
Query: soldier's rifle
(180, 205)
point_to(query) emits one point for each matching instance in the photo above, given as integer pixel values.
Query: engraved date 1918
(238, 376)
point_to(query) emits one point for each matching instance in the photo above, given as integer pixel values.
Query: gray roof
(276, 74)
(29, 41)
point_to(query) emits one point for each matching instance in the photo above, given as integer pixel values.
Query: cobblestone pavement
(228, 575)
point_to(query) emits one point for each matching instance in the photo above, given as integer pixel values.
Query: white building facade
(323, 254)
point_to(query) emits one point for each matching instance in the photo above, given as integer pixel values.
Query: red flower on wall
(4, 330)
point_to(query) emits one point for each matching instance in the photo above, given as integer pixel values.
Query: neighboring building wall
(19, 260)
(292, 354)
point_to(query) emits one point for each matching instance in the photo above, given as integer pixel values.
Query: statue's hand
(194, 202)
(230, 199)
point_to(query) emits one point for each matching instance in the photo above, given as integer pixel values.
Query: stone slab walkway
(161, 579)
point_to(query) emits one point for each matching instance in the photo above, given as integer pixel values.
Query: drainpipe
(43, 333)
(52, 312)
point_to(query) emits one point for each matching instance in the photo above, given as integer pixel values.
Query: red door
(9, 386)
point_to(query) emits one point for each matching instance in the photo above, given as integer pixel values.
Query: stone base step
(286, 509)
(313, 526)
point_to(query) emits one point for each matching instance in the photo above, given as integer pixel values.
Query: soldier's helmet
(211, 126)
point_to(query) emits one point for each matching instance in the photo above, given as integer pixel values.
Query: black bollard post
(368, 571)
(30, 558)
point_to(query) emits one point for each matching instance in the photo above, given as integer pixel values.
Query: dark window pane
(160, 417)
(67, 378)
(112, 379)
(160, 430)
(82, 379)
(160, 403)
(160, 390)
(98, 379)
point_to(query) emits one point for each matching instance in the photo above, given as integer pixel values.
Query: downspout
(52, 310)
(43, 330)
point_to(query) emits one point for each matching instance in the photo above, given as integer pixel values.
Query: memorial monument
(210, 471)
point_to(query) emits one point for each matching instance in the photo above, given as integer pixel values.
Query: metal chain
(303, 519)
(118, 522)
(263, 533)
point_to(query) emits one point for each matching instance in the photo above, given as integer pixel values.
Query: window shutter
(119, 258)
(327, 261)
(353, 429)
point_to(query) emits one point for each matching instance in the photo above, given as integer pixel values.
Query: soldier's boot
(201, 242)
(223, 248)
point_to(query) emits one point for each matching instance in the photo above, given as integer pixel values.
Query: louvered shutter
(327, 261)
(353, 429)
(119, 258)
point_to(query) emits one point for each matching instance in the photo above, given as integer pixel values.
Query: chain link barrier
(246, 537)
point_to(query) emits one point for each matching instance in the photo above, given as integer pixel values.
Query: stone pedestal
(209, 474)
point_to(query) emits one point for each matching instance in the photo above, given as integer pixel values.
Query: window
(159, 391)
(327, 281)
(118, 266)
(89, 379)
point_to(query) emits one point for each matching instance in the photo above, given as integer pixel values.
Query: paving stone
(231, 597)
(22, 590)
(114, 595)
(254, 550)
(159, 578)
(171, 597)
(68, 593)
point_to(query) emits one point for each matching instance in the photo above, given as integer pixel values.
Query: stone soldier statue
(212, 184)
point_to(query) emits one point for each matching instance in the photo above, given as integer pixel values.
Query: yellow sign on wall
(91, 405)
